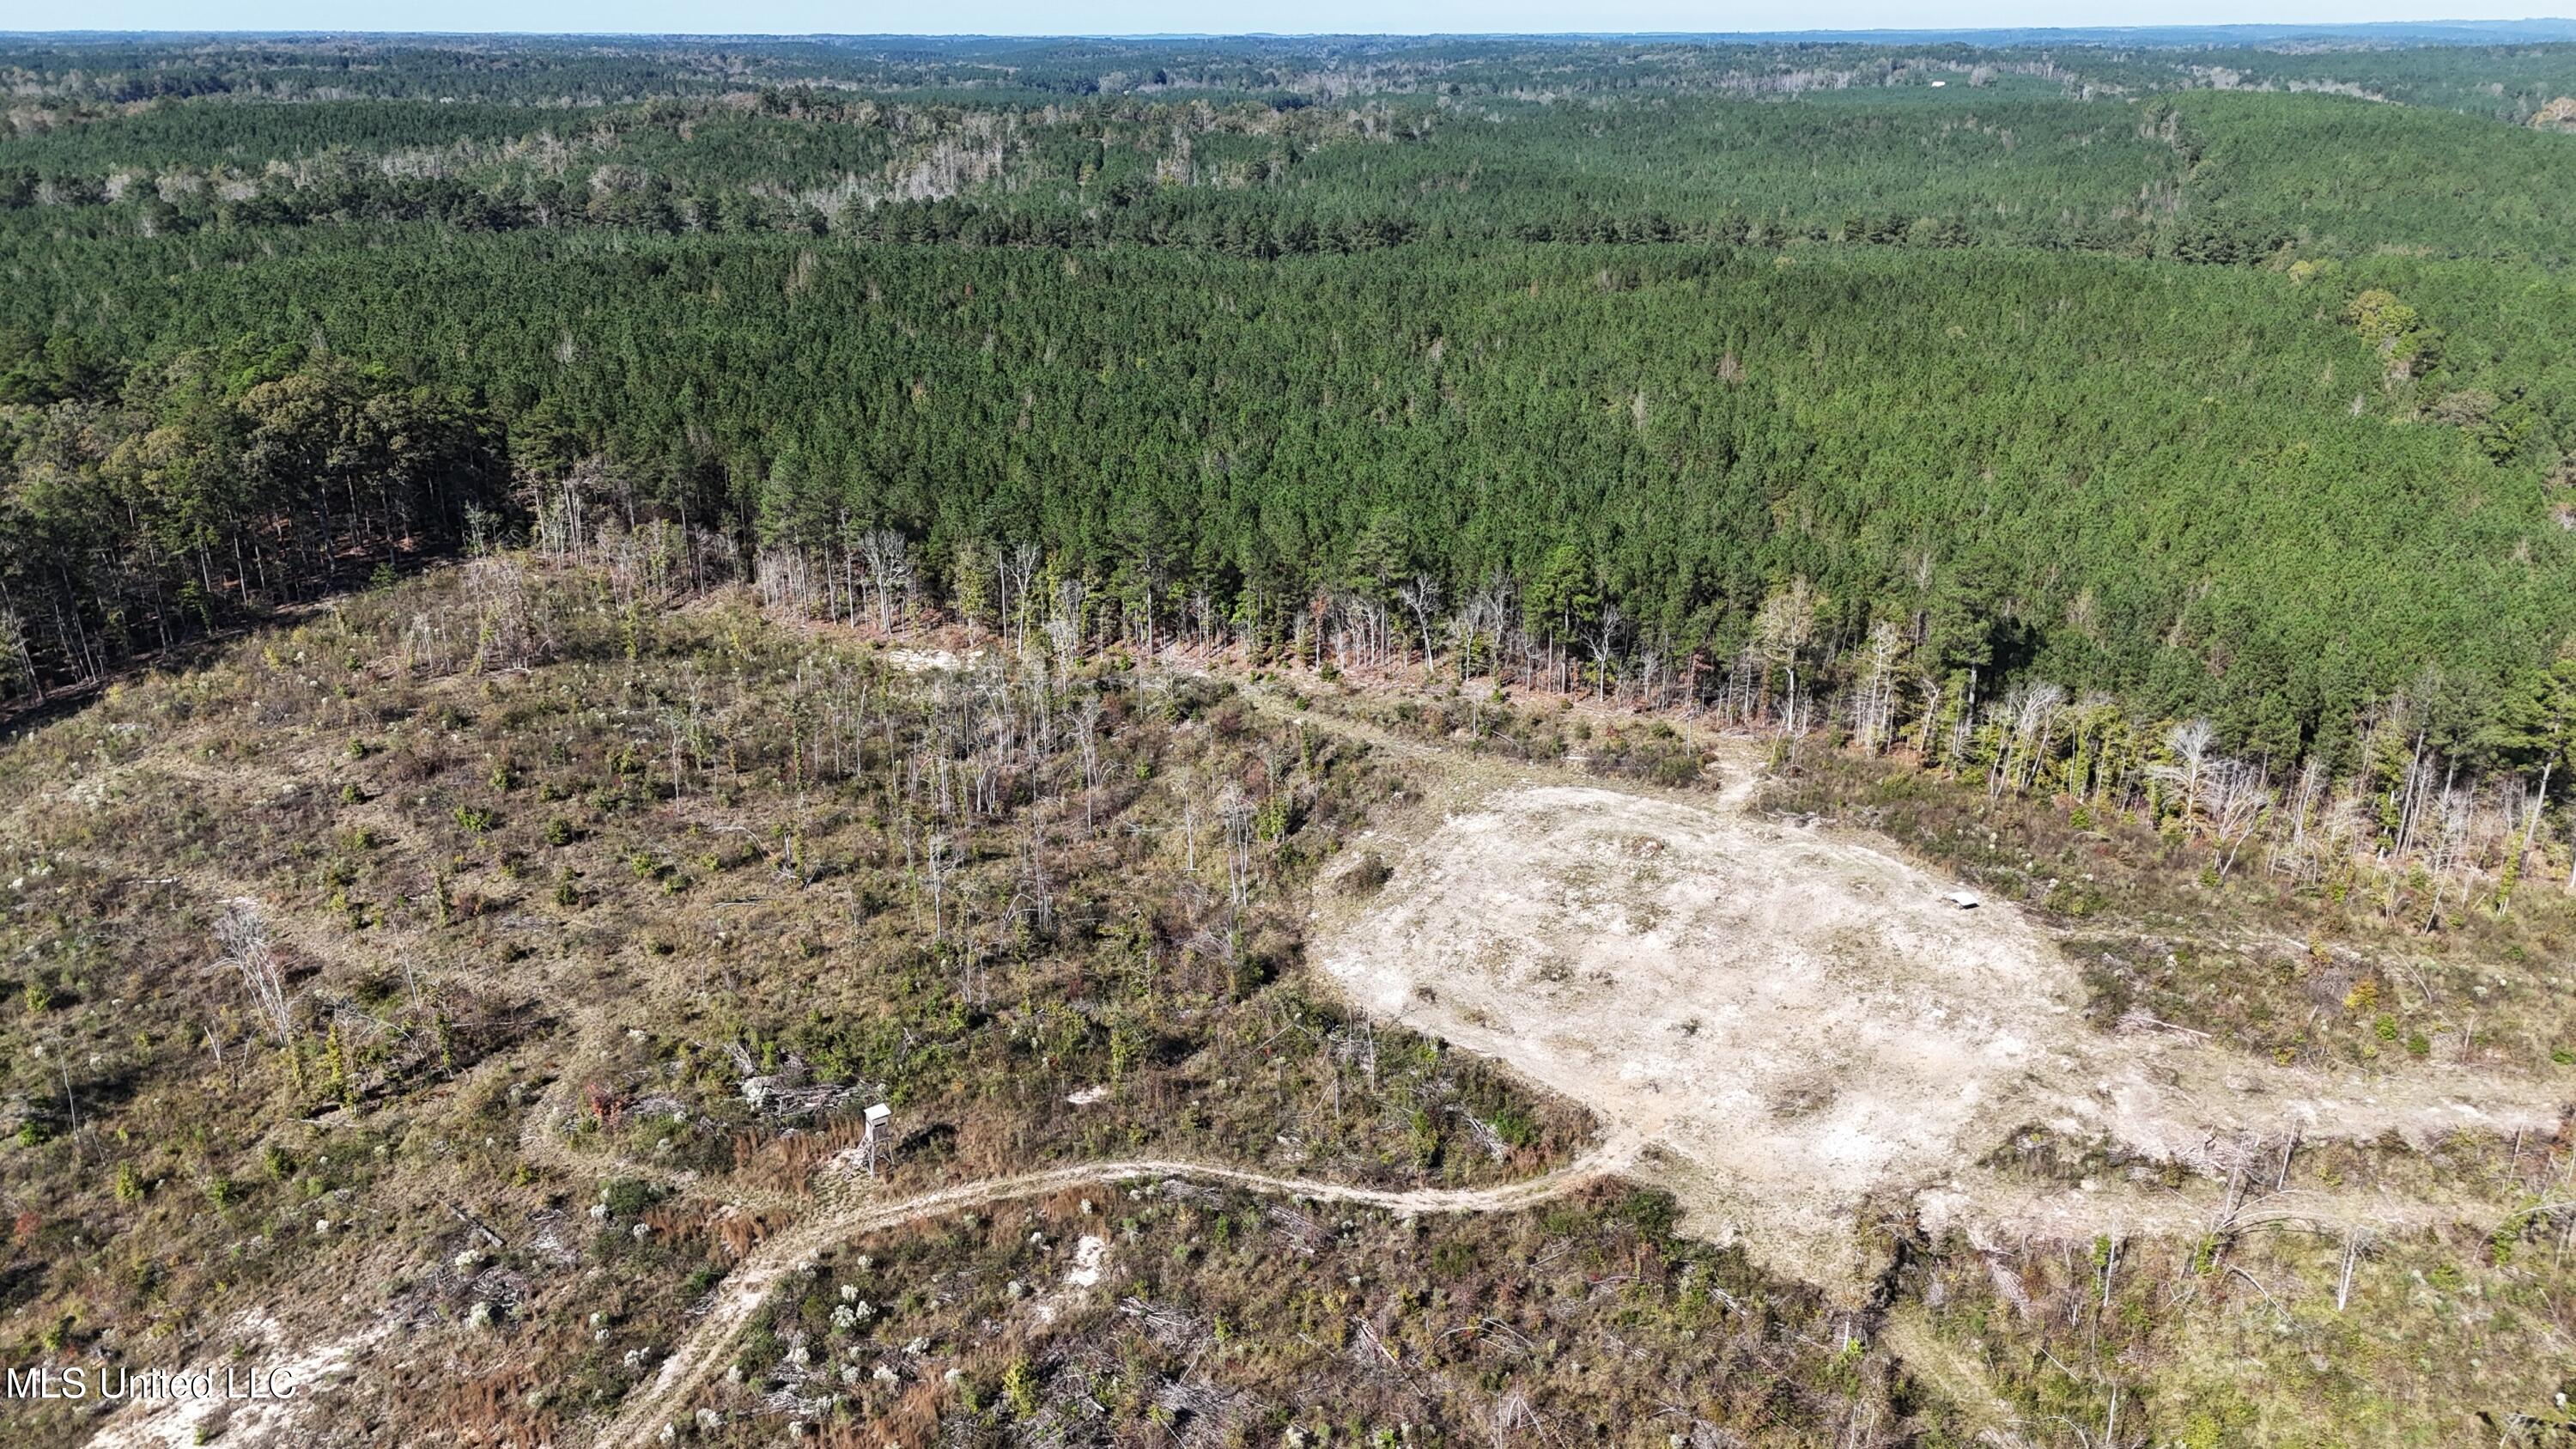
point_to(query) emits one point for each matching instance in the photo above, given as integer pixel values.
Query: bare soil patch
(1798, 1022)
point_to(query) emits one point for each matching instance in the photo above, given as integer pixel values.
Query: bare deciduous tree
(242, 933)
(1485, 615)
(939, 863)
(2239, 796)
(1421, 599)
(1086, 739)
(1605, 642)
(2356, 1245)
(514, 625)
(885, 557)
(1875, 709)
(2190, 742)
(2028, 714)
(1786, 625)
(1236, 809)
(17, 660)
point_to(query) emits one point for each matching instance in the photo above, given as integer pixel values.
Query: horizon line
(2287, 27)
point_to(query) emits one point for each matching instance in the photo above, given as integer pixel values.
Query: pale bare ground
(923, 661)
(1801, 1025)
(308, 1377)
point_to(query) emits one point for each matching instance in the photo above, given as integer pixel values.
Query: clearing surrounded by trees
(1291, 742)
(1798, 1023)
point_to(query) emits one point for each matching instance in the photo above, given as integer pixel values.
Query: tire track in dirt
(699, 1357)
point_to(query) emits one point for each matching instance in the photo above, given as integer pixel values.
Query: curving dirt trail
(701, 1356)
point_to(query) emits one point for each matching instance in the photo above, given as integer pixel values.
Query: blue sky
(1131, 17)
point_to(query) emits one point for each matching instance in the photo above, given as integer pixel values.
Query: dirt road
(702, 1355)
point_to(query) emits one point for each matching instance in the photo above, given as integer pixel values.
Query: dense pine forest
(2077, 409)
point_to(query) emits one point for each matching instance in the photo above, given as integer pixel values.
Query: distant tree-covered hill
(2175, 369)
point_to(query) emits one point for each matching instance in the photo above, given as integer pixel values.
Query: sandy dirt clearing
(1800, 1022)
(304, 1380)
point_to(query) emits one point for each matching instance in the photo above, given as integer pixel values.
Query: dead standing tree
(2190, 742)
(1875, 708)
(1086, 738)
(940, 863)
(885, 557)
(1013, 571)
(1238, 813)
(1421, 598)
(1604, 640)
(1782, 632)
(2239, 797)
(243, 935)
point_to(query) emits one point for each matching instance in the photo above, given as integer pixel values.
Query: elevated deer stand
(870, 1144)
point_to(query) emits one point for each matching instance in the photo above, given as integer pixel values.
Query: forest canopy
(2151, 370)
